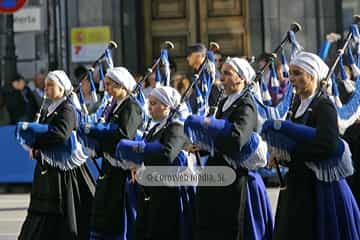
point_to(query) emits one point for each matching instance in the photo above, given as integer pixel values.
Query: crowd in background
(20, 100)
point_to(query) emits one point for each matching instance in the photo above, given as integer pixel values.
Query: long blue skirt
(218, 211)
(259, 221)
(338, 216)
(129, 217)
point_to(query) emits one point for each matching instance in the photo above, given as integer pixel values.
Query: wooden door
(189, 21)
(172, 20)
(225, 22)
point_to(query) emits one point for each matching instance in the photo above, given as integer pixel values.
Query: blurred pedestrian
(20, 101)
(218, 63)
(180, 82)
(149, 84)
(37, 87)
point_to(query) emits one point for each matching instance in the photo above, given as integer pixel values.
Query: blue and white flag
(356, 37)
(200, 102)
(211, 68)
(163, 77)
(325, 47)
(355, 70)
(266, 98)
(166, 66)
(82, 100)
(207, 77)
(158, 77)
(274, 82)
(101, 78)
(335, 91)
(330, 38)
(108, 58)
(284, 65)
(94, 97)
(295, 45)
(348, 84)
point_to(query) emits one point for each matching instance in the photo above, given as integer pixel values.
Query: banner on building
(88, 43)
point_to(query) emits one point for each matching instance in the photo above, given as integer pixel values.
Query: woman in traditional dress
(62, 190)
(241, 210)
(109, 218)
(163, 210)
(310, 208)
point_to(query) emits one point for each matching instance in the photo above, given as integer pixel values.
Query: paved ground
(13, 211)
(273, 195)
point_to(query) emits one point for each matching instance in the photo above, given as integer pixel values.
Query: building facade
(241, 27)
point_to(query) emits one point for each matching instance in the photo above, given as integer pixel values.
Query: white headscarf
(122, 76)
(242, 67)
(312, 64)
(170, 97)
(62, 80)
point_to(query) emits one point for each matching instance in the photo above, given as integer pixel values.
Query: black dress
(60, 200)
(309, 208)
(352, 137)
(218, 207)
(158, 212)
(108, 217)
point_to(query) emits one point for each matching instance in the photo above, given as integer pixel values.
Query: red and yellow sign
(89, 42)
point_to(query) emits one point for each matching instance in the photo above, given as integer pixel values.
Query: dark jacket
(60, 200)
(47, 195)
(108, 211)
(159, 215)
(21, 105)
(297, 205)
(218, 207)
